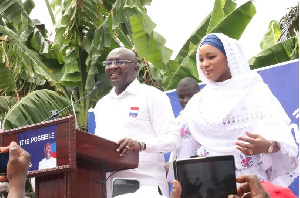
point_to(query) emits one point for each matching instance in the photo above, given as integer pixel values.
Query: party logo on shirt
(134, 111)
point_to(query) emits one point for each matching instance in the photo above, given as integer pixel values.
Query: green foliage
(271, 36)
(34, 108)
(278, 53)
(15, 14)
(7, 81)
(26, 63)
(28, 6)
(85, 32)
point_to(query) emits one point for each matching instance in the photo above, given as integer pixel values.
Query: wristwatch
(270, 149)
(142, 146)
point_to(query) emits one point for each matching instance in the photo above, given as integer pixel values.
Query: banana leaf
(271, 36)
(281, 52)
(34, 108)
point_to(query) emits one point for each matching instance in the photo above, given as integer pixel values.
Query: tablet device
(206, 177)
(124, 185)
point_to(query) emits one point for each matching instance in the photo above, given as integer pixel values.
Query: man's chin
(114, 82)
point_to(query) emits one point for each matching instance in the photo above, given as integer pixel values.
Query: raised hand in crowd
(176, 191)
(250, 187)
(17, 169)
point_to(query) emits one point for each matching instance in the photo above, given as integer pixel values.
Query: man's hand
(176, 191)
(18, 163)
(250, 188)
(126, 145)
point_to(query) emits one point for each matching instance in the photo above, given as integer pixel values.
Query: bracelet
(270, 149)
(142, 146)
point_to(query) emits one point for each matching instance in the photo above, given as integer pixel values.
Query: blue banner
(41, 145)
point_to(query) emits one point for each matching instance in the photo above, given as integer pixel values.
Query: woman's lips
(207, 72)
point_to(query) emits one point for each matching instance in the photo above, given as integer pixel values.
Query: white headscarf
(236, 58)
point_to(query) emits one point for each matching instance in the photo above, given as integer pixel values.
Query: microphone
(97, 86)
(75, 90)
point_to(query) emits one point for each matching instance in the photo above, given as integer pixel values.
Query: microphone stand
(97, 85)
(73, 106)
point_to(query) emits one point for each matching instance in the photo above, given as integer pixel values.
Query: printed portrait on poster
(41, 144)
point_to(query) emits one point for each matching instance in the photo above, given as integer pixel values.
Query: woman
(236, 113)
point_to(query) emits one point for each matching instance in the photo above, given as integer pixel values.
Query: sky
(176, 20)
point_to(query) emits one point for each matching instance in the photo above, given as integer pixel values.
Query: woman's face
(213, 63)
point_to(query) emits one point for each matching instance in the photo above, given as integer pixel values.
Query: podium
(82, 159)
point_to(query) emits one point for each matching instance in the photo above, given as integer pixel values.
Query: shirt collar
(132, 88)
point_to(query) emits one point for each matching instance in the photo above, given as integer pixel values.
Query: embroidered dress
(223, 111)
(188, 147)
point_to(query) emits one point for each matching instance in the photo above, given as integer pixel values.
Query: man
(48, 161)
(137, 117)
(186, 88)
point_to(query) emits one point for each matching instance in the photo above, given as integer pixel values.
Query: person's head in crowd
(212, 62)
(186, 88)
(121, 68)
(277, 191)
(48, 150)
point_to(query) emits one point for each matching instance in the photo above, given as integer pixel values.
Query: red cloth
(277, 191)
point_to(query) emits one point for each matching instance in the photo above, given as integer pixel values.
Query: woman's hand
(253, 145)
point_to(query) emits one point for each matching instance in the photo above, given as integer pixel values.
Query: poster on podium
(51, 145)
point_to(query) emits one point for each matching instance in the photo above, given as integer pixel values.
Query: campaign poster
(41, 145)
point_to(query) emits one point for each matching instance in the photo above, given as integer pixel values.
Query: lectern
(82, 159)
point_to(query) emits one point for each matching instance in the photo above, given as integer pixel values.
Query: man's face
(121, 75)
(185, 93)
(48, 151)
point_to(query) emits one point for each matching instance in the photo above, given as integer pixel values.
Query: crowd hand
(17, 166)
(250, 188)
(253, 145)
(176, 190)
(126, 145)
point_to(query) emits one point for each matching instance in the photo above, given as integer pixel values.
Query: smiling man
(137, 117)
(48, 161)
